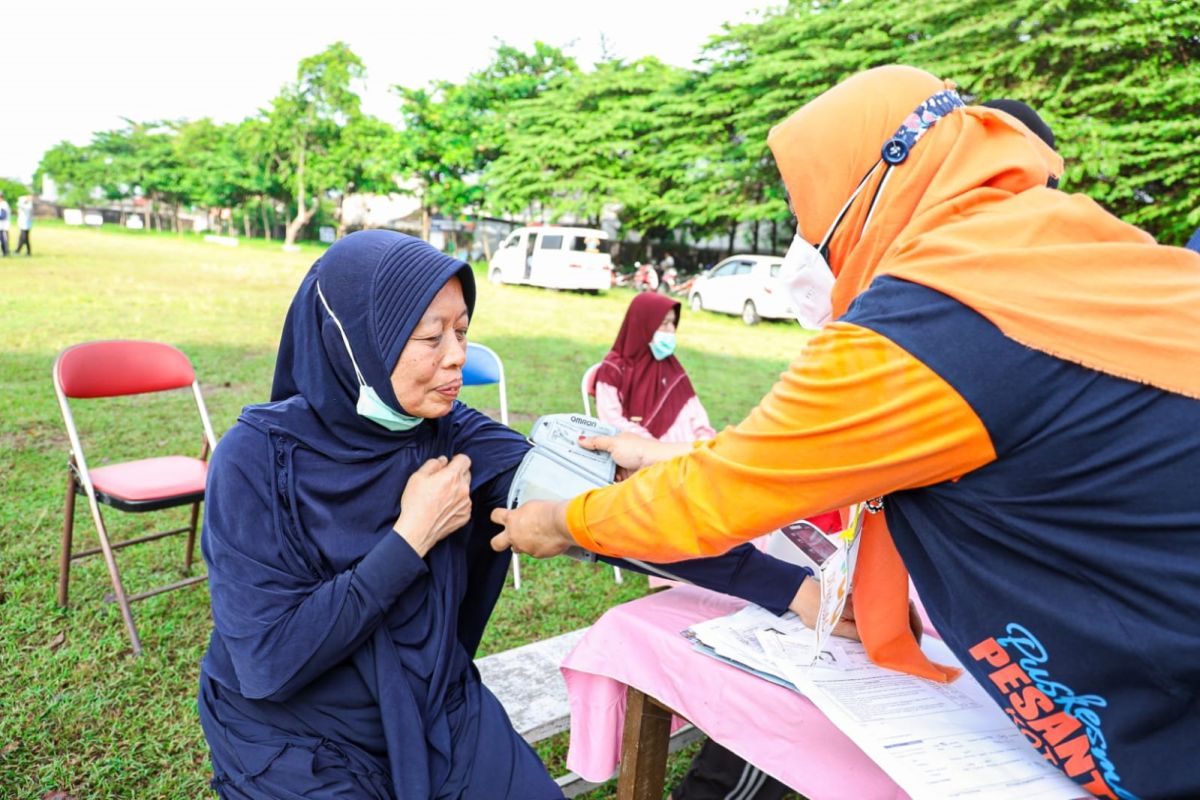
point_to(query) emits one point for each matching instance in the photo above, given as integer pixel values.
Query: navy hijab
(335, 480)
(378, 284)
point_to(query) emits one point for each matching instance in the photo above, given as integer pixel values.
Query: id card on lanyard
(836, 577)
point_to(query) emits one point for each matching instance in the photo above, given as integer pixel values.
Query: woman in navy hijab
(347, 538)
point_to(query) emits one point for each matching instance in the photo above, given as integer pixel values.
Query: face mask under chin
(370, 405)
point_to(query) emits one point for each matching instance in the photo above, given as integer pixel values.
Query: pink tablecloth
(638, 644)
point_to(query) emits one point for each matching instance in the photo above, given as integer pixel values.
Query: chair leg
(191, 540)
(115, 575)
(617, 576)
(64, 561)
(516, 571)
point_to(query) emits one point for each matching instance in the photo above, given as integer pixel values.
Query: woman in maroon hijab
(641, 387)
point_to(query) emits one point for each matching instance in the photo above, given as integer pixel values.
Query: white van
(554, 256)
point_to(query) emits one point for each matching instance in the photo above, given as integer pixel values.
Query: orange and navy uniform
(1050, 553)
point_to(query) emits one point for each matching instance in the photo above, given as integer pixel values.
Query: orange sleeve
(853, 417)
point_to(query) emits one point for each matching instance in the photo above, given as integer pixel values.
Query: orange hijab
(969, 215)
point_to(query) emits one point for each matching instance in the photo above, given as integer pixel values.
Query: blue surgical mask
(370, 405)
(662, 344)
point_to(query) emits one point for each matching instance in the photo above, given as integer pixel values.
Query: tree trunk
(246, 222)
(175, 214)
(262, 210)
(303, 214)
(425, 221)
(482, 234)
(302, 218)
(341, 217)
(754, 247)
(732, 236)
(774, 236)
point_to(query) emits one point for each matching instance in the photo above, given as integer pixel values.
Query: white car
(747, 285)
(554, 256)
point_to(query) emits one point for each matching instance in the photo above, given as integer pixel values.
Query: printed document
(937, 741)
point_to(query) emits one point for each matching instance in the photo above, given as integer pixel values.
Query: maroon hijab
(652, 392)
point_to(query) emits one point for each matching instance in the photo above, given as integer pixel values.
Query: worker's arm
(854, 417)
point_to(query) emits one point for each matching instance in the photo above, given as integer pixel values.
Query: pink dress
(689, 426)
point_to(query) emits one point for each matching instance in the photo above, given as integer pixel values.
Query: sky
(73, 67)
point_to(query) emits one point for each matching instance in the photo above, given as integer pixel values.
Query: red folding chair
(113, 369)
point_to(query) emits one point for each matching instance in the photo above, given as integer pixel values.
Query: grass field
(78, 714)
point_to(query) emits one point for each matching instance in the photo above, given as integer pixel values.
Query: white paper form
(937, 741)
(734, 636)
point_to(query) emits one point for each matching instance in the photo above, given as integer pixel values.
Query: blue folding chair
(483, 368)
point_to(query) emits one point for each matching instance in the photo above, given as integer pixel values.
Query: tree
(452, 132)
(73, 169)
(305, 121)
(213, 172)
(587, 143)
(362, 159)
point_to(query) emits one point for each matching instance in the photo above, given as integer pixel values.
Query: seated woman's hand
(807, 605)
(436, 502)
(632, 452)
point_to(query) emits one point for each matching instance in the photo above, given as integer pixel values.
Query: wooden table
(632, 670)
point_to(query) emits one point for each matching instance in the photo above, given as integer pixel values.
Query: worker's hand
(807, 604)
(435, 503)
(632, 452)
(538, 528)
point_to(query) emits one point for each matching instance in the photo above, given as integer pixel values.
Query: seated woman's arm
(608, 409)
(282, 622)
(745, 572)
(693, 422)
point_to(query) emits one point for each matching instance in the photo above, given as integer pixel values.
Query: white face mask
(809, 284)
(806, 274)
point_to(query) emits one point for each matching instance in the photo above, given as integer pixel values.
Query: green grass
(78, 714)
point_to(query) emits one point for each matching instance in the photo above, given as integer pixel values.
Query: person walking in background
(24, 223)
(5, 213)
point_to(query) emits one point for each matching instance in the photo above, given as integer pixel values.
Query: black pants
(23, 241)
(717, 774)
(3, 243)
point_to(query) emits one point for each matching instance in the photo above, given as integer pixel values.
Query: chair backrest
(114, 368)
(484, 367)
(587, 387)
(120, 367)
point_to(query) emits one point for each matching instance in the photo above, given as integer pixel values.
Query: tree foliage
(452, 132)
(667, 149)
(584, 144)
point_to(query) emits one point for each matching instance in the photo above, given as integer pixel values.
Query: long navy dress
(340, 664)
